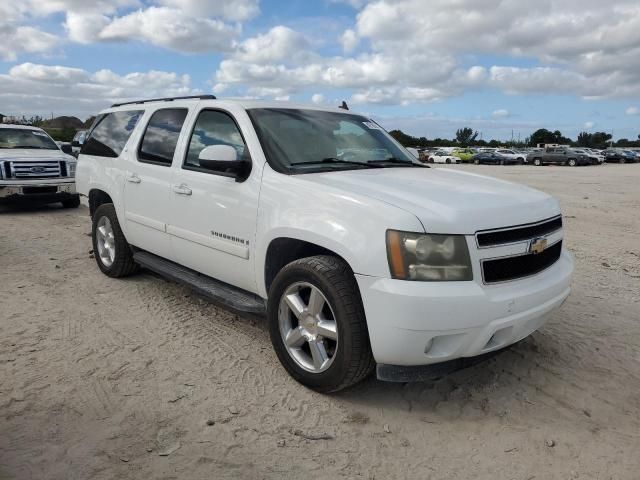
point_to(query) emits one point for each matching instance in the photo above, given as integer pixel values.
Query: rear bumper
(422, 323)
(53, 192)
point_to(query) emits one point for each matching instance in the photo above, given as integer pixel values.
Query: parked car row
(551, 155)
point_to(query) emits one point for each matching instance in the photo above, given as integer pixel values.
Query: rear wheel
(537, 162)
(111, 250)
(572, 162)
(501, 162)
(317, 324)
(448, 160)
(476, 161)
(623, 160)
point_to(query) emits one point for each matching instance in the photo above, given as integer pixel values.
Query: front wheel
(537, 162)
(623, 160)
(572, 162)
(477, 162)
(111, 250)
(317, 324)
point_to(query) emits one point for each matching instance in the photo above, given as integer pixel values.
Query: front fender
(350, 225)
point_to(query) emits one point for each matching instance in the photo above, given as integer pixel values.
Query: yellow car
(464, 154)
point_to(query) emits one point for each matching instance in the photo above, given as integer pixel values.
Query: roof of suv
(21, 127)
(245, 104)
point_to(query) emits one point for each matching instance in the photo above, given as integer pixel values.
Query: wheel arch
(283, 250)
(98, 197)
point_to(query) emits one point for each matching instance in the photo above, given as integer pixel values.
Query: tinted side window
(213, 128)
(111, 133)
(161, 136)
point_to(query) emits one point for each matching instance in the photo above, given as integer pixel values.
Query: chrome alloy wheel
(105, 242)
(308, 327)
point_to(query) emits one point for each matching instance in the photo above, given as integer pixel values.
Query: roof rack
(167, 99)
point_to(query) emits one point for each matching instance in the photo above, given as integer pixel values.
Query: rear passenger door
(147, 185)
(213, 216)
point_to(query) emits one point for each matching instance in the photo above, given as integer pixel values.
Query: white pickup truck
(34, 168)
(359, 255)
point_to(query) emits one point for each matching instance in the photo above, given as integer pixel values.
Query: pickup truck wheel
(71, 203)
(111, 250)
(537, 162)
(317, 324)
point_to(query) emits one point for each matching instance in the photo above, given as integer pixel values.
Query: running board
(218, 292)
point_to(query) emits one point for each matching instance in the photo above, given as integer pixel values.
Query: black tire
(476, 161)
(623, 160)
(71, 203)
(502, 162)
(448, 160)
(537, 162)
(353, 359)
(123, 264)
(572, 162)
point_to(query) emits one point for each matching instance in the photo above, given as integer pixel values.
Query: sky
(502, 67)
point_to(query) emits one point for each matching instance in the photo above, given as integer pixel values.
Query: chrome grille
(504, 236)
(507, 254)
(43, 169)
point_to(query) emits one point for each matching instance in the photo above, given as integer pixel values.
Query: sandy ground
(139, 378)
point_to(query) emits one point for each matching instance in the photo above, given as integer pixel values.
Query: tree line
(468, 137)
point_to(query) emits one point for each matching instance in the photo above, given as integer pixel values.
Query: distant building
(1, 118)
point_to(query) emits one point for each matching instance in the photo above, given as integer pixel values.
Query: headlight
(430, 258)
(71, 167)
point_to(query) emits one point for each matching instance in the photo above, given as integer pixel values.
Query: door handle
(133, 178)
(182, 189)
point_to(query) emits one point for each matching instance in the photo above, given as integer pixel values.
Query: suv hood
(36, 155)
(446, 201)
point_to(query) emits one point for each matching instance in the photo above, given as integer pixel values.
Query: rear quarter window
(111, 133)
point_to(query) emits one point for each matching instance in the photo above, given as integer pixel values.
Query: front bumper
(38, 191)
(421, 323)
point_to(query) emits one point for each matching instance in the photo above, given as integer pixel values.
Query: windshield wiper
(336, 161)
(30, 147)
(397, 161)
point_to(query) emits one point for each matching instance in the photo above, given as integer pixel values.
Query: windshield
(301, 141)
(26, 138)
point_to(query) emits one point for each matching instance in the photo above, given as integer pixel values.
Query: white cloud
(632, 111)
(236, 10)
(32, 89)
(589, 125)
(278, 44)
(349, 40)
(171, 29)
(317, 98)
(501, 113)
(85, 27)
(17, 40)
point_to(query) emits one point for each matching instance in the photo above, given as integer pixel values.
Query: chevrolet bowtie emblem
(537, 245)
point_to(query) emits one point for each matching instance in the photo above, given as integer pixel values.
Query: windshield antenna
(344, 106)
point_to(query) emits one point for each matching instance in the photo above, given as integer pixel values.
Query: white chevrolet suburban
(33, 167)
(359, 255)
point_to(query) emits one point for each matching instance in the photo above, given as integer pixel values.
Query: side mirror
(66, 148)
(76, 143)
(223, 158)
